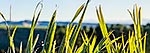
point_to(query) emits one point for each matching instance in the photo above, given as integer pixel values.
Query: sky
(114, 11)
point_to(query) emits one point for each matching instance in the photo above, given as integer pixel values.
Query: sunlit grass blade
(64, 41)
(68, 48)
(80, 49)
(123, 43)
(75, 35)
(111, 42)
(77, 13)
(14, 31)
(144, 47)
(92, 35)
(91, 47)
(11, 44)
(34, 22)
(66, 38)
(103, 27)
(11, 40)
(51, 39)
(35, 41)
(86, 38)
(99, 46)
(50, 34)
(35, 18)
(53, 50)
(115, 43)
(102, 22)
(71, 32)
(125, 46)
(138, 11)
(119, 47)
(20, 51)
(130, 42)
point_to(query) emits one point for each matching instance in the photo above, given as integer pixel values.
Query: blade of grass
(20, 51)
(34, 22)
(114, 40)
(103, 27)
(49, 34)
(99, 46)
(116, 45)
(35, 41)
(102, 22)
(74, 37)
(53, 50)
(92, 35)
(84, 40)
(92, 45)
(51, 39)
(139, 29)
(64, 43)
(80, 49)
(144, 47)
(101, 43)
(11, 44)
(11, 40)
(123, 43)
(77, 13)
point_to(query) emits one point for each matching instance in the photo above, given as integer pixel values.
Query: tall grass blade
(11, 44)
(50, 34)
(80, 49)
(77, 13)
(11, 40)
(92, 45)
(75, 35)
(99, 46)
(84, 40)
(34, 22)
(51, 39)
(3, 16)
(64, 41)
(35, 41)
(103, 27)
(53, 50)
(7, 26)
(66, 38)
(92, 35)
(144, 47)
(123, 43)
(20, 51)
(111, 42)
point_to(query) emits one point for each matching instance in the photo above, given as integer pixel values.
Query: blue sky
(115, 11)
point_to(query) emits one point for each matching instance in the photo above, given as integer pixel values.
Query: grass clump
(135, 43)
